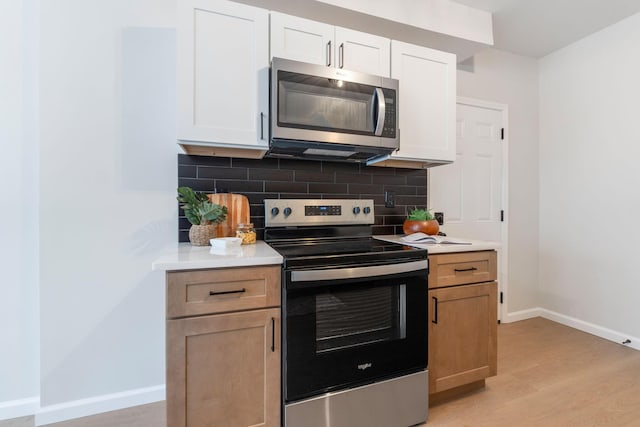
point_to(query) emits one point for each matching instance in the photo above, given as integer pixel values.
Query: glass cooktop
(345, 251)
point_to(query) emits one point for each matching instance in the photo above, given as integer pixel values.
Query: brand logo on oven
(364, 366)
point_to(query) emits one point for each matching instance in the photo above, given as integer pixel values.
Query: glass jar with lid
(246, 232)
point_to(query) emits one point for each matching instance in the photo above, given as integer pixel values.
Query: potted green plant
(202, 214)
(420, 220)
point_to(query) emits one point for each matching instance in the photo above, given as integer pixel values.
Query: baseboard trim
(516, 316)
(96, 405)
(19, 408)
(581, 325)
(597, 330)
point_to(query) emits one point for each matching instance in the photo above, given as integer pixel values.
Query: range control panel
(301, 212)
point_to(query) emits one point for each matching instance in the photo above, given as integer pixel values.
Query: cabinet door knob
(273, 334)
(261, 125)
(435, 310)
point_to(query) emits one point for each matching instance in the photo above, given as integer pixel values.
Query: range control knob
(356, 210)
(287, 211)
(275, 211)
(366, 210)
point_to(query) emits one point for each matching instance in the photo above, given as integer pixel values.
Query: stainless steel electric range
(354, 317)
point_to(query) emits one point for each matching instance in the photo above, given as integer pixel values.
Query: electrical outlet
(389, 199)
(439, 217)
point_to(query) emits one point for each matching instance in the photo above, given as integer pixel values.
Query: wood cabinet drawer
(462, 268)
(222, 290)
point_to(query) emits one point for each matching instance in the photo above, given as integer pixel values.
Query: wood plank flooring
(551, 375)
(548, 375)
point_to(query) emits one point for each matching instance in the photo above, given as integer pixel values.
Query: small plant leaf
(420, 215)
(197, 207)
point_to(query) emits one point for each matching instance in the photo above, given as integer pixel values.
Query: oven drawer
(462, 268)
(222, 290)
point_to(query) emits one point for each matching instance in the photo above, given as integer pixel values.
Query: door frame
(503, 251)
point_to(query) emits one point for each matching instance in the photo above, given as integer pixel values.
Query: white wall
(107, 195)
(589, 176)
(511, 79)
(18, 215)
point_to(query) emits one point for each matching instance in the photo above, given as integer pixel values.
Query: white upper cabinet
(363, 52)
(427, 110)
(222, 76)
(314, 42)
(301, 39)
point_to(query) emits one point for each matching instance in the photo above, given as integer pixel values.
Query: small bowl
(225, 242)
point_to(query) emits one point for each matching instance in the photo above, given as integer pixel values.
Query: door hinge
(501, 298)
(501, 216)
(502, 133)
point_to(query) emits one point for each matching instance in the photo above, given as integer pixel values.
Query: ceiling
(538, 27)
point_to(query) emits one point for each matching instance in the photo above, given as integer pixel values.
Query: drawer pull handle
(435, 310)
(239, 291)
(458, 270)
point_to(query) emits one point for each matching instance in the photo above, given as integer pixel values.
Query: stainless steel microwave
(324, 113)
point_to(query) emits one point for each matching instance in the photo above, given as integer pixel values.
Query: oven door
(351, 326)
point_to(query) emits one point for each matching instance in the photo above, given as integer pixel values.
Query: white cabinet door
(223, 69)
(301, 39)
(427, 98)
(314, 42)
(363, 52)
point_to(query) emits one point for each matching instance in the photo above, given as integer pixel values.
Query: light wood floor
(548, 375)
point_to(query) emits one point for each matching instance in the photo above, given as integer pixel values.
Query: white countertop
(476, 245)
(183, 256)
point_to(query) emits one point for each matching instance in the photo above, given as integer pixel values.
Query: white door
(469, 190)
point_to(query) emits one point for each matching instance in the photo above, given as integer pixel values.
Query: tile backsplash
(300, 179)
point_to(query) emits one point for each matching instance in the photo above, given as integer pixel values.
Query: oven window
(360, 316)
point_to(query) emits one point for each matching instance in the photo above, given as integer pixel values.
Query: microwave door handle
(379, 97)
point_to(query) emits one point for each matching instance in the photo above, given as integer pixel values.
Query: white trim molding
(572, 322)
(99, 404)
(19, 408)
(522, 315)
(597, 330)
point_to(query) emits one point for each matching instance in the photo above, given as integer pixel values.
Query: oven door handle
(357, 272)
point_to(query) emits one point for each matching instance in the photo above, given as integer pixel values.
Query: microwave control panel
(389, 129)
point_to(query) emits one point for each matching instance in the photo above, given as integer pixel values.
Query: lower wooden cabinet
(223, 364)
(224, 370)
(462, 335)
(463, 322)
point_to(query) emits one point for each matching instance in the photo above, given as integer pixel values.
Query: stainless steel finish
(352, 142)
(341, 56)
(329, 54)
(381, 111)
(276, 217)
(398, 402)
(357, 272)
